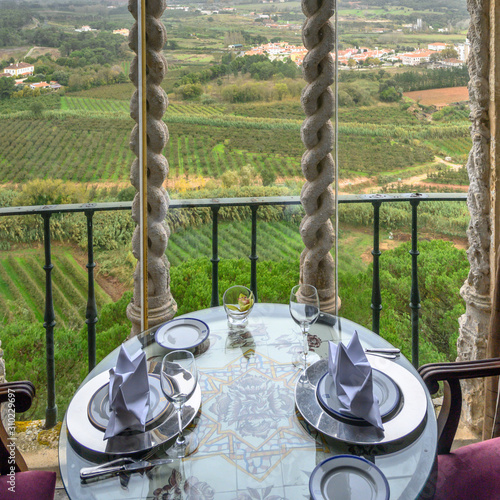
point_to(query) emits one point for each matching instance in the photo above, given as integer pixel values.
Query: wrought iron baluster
(376, 304)
(415, 293)
(49, 323)
(253, 256)
(91, 312)
(215, 256)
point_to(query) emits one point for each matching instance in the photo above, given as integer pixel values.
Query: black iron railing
(89, 209)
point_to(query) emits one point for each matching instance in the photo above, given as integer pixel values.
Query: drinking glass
(304, 309)
(238, 302)
(179, 377)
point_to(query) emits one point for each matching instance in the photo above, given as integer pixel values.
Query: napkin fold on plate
(353, 378)
(128, 394)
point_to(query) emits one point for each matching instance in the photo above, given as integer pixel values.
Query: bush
(268, 177)
(24, 352)
(190, 91)
(51, 192)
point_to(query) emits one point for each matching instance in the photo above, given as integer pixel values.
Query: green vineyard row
(120, 106)
(94, 146)
(22, 287)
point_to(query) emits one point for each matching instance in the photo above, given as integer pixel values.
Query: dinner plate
(182, 333)
(400, 429)
(88, 441)
(98, 409)
(384, 389)
(346, 477)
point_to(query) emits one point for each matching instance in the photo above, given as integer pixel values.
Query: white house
(415, 58)
(463, 50)
(436, 46)
(39, 85)
(122, 31)
(20, 69)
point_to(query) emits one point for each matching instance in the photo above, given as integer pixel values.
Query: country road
(28, 54)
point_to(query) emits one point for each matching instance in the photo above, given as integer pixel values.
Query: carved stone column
(162, 306)
(317, 266)
(481, 202)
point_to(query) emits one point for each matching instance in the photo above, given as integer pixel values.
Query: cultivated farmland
(88, 141)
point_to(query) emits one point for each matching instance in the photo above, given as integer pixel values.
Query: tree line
(432, 78)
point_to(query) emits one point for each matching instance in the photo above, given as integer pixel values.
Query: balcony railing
(89, 209)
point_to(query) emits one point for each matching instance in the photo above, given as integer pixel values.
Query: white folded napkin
(128, 394)
(353, 379)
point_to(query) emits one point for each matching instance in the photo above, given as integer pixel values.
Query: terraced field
(276, 241)
(22, 287)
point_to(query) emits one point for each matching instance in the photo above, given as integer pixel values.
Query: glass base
(184, 449)
(300, 360)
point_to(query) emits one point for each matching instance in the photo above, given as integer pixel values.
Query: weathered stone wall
(477, 289)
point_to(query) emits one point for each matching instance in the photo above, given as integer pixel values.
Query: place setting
(122, 417)
(359, 397)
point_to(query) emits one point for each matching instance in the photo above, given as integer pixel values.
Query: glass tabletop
(253, 442)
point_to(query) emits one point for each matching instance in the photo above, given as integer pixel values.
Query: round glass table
(253, 443)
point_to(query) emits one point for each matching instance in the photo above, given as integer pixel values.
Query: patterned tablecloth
(253, 443)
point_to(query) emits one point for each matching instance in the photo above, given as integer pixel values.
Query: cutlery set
(120, 465)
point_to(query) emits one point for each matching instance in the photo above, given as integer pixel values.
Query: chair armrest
(20, 395)
(24, 393)
(451, 374)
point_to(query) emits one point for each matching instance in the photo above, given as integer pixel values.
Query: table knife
(121, 465)
(384, 350)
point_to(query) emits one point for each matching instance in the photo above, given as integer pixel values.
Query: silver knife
(383, 350)
(121, 465)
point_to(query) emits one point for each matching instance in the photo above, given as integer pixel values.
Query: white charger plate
(88, 441)
(182, 333)
(384, 389)
(348, 477)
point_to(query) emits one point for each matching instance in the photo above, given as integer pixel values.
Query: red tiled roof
(19, 66)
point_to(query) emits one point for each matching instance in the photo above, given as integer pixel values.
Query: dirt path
(111, 285)
(28, 54)
(419, 180)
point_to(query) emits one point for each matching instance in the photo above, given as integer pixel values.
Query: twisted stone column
(476, 290)
(162, 306)
(317, 266)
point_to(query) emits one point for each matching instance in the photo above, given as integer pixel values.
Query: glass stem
(306, 346)
(180, 438)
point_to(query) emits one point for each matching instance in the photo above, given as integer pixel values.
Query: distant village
(354, 56)
(350, 58)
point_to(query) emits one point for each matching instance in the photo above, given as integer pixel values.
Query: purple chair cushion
(471, 472)
(30, 485)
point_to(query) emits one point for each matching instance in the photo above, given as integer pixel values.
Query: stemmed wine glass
(304, 309)
(179, 377)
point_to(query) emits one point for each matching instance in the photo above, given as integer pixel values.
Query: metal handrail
(215, 204)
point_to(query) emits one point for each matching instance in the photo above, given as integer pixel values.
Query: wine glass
(304, 309)
(179, 377)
